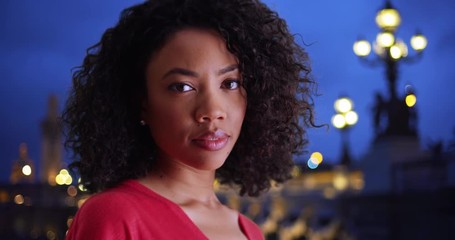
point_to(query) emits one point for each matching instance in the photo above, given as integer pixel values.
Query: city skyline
(43, 41)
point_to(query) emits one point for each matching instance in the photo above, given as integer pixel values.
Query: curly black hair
(102, 113)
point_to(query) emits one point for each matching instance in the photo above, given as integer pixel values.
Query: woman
(178, 93)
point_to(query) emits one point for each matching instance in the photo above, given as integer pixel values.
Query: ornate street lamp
(344, 118)
(390, 51)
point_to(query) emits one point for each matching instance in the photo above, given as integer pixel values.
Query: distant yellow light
(395, 52)
(51, 179)
(340, 182)
(418, 42)
(339, 121)
(362, 48)
(316, 158)
(82, 187)
(351, 118)
(343, 105)
(378, 49)
(295, 171)
(3, 196)
(27, 170)
(72, 191)
(63, 178)
(411, 100)
(59, 179)
(403, 47)
(385, 39)
(388, 18)
(68, 180)
(19, 199)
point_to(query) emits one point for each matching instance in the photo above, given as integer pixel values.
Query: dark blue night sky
(41, 41)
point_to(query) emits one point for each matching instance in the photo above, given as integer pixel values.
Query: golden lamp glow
(403, 47)
(343, 105)
(418, 42)
(295, 171)
(72, 191)
(385, 39)
(63, 178)
(395, 52)
(362, 48)
(316, 158)
(351, 118)
(411, 100)
(27, 170)
(19, 199)
(338, 121)
(3, 196)
(388, 18)
(378, 49)
(80, 185)
(340, 181)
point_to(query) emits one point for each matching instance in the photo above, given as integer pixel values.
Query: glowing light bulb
(351, 118)
(339, 121)
(343, 105)
(316, 158)
(385, 39)
(27, 170)
(411, 100)
(395, 52)
(418, 42)
(362, 48)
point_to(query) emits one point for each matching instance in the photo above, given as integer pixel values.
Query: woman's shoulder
(118, 212)
(128, 195)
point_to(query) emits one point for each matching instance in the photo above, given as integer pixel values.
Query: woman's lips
(212, 141)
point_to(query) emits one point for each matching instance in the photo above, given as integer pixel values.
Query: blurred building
(23, 170)
(51, 143)
(409, 191)
(42, 209)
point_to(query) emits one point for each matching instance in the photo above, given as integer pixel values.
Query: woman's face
(195, 100)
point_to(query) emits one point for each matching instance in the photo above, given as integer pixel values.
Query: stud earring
(142, 122)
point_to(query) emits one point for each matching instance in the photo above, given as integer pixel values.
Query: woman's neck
(182, 184)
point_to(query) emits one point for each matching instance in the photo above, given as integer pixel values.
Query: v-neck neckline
(178, 210)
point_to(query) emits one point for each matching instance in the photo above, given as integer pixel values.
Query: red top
(133, 211)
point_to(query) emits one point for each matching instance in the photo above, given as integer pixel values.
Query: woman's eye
(180, 87)
(231, 84)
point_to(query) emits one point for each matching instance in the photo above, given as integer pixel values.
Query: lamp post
(389, 50)
(344, 118)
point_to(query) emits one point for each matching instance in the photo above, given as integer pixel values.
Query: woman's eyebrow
(186, 72)
(227, 69)
(180, 71)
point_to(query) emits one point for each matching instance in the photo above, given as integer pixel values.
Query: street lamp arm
(371, 62)
(412, 59)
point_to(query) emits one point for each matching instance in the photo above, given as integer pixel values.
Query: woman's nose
(210, 108)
